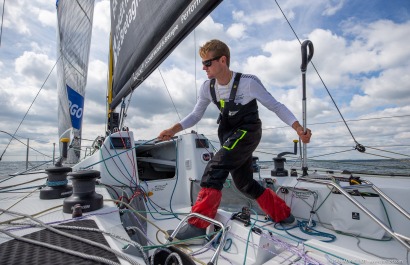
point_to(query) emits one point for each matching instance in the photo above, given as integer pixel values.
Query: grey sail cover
(145, 32)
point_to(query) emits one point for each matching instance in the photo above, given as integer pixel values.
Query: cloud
(47, 17)
(236, 31)
(333, 8)
(14, 18)
(33, 67)
(388, 89)
(101, 19)
(362, 60)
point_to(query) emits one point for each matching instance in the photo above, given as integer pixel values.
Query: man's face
(212, 65)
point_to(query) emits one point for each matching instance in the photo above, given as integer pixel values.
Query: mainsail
(74, 38)
(140, 45)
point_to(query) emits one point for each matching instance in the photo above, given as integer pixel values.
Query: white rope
(117, 253)
(61, 249)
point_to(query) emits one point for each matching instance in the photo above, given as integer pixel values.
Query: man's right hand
(166, 135)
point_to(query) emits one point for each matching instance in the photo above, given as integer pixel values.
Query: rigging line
(196, 87)
(169, 93)
(2, 17)
(21, 122)
(387, 151)
(329, 122)
(333, 153)
(25, 144)
(341, 162)
(380, 155)
(320, 77)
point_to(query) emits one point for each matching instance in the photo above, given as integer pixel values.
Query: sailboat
(115, 205)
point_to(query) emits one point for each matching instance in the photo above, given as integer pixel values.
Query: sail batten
(139, 47)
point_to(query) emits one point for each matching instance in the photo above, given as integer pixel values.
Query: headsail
(139, 46)
(74, 39)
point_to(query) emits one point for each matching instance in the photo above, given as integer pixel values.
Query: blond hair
(217, 47)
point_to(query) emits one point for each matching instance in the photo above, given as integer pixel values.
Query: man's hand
(304, 136)
(167, 134)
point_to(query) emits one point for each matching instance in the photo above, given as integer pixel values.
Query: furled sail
(144, 33)
(74, 20)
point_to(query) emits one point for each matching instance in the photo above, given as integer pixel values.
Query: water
(388, 167)
(11, 167)
(383, 167)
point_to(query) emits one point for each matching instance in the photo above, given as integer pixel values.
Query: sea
(386, 167)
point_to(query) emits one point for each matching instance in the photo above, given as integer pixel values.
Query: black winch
(83, 192)
(279, 162)
(56, 184)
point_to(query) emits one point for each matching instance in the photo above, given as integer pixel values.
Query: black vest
(235, 116)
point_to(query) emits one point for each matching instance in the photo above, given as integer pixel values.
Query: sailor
(239, 133)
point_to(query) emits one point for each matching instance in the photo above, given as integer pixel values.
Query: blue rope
(56, 183)
(307, 230)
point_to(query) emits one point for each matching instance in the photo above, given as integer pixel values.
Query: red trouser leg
(273, 205)
(207, 204)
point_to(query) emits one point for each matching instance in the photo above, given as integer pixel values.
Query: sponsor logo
(76, 106)
(82, 206)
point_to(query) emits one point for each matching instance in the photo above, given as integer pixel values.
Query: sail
(74, 20)
(144, 33)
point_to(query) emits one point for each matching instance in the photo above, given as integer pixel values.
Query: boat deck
(264, 245)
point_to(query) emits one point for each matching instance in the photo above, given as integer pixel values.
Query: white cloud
(390, 88)
(14, 18)
(332, 8)
(364, 65)
(256, 17)
(237, 31)
(33, 67)
(101, 18)
(47, 17)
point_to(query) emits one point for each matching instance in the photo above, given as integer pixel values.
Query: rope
(320, 77)
(56, 183)
(2, 17)
(35, 150)
(119, 254)
(29, 194)
(61, 249)
(25, 115)
(89, 229)
(166, 87)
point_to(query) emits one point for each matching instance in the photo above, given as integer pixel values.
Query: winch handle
(305, 56)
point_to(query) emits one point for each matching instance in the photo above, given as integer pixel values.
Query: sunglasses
(208, 63)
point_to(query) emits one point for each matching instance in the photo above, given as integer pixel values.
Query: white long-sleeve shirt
(249, 88)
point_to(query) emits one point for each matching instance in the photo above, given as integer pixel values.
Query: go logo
(75, 107)
(75, 110)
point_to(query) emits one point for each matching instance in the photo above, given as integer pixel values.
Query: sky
(361, 53)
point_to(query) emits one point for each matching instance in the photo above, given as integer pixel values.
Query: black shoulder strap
(213, 95)
(235, 87)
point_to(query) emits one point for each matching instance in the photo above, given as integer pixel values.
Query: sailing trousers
(238, 162)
